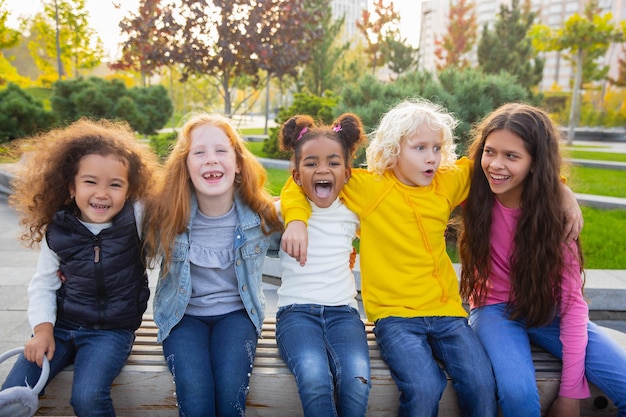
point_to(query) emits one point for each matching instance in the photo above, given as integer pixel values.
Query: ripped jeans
(326, 350)
(211, 360)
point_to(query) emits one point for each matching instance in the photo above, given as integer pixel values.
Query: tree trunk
(267, 103)
(575, 106)
(228, 107)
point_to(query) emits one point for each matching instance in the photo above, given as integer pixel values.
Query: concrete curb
(602, 202)
(620, 166)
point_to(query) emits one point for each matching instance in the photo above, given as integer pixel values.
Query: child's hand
(565, 407)
(295, 241)
(42, 343)
(573, 215)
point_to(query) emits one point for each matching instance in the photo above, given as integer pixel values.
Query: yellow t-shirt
(405, 270)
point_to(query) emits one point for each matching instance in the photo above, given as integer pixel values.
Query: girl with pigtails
(319, 330)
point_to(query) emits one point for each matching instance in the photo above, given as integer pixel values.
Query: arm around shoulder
(293, 203)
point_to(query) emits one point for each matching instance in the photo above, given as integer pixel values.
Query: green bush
(146, 109)
(21, 115)
(154, 105)
(475, 95)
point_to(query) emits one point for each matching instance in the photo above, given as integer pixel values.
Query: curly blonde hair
(42, 184)
(404, 121)
(168, 213)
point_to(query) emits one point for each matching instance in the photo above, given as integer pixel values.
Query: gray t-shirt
(212, 261)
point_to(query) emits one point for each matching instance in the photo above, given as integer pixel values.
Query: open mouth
(99, 206)
(499, 178)
(323, 188)
(212, 175)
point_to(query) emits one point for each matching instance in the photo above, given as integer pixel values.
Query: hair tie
(302, 132)
(337, 128)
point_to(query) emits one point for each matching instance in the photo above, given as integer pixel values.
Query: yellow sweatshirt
(405, 270)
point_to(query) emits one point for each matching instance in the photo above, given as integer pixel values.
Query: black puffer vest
(106, 284)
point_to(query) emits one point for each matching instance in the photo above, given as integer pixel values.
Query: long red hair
(168, 214)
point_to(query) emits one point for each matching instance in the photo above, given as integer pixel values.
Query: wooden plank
(145, 387)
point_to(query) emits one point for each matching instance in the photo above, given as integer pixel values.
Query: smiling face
(322, 170)
(506, 164)
(212, 165)
(419, 157)
(100, 187)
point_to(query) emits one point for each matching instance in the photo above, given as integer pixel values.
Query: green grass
(253, 131)
(597, 181)
(602, 239)
(257, 149)
(276, 178)
(597, 156)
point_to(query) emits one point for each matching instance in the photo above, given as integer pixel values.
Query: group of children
(103, 212)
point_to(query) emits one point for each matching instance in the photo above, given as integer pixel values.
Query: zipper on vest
(100, 287)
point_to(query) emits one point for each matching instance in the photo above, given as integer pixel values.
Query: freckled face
(100, 187)
(506, 164)
(419, 158)
(322, 171)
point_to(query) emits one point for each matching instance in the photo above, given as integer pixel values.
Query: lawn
(256, 148)
(602, 238)
(276, 180)
(597, 181)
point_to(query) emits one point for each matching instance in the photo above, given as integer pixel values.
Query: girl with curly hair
(79, 196)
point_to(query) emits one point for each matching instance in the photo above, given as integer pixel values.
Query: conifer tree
(506, 47)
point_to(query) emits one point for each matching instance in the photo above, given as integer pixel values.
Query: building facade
(557, 72)
(352, 10)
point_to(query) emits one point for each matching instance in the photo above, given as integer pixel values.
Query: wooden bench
(145, 387)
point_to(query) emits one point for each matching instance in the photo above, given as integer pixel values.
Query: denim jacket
(173, 291)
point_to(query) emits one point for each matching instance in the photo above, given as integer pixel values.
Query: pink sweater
(574, 312)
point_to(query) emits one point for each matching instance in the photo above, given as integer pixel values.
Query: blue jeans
(326, 349)
(508, 345)
(98, 357)
(412, 346)
(211, 360)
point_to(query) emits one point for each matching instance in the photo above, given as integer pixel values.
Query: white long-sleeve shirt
(326, 279)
